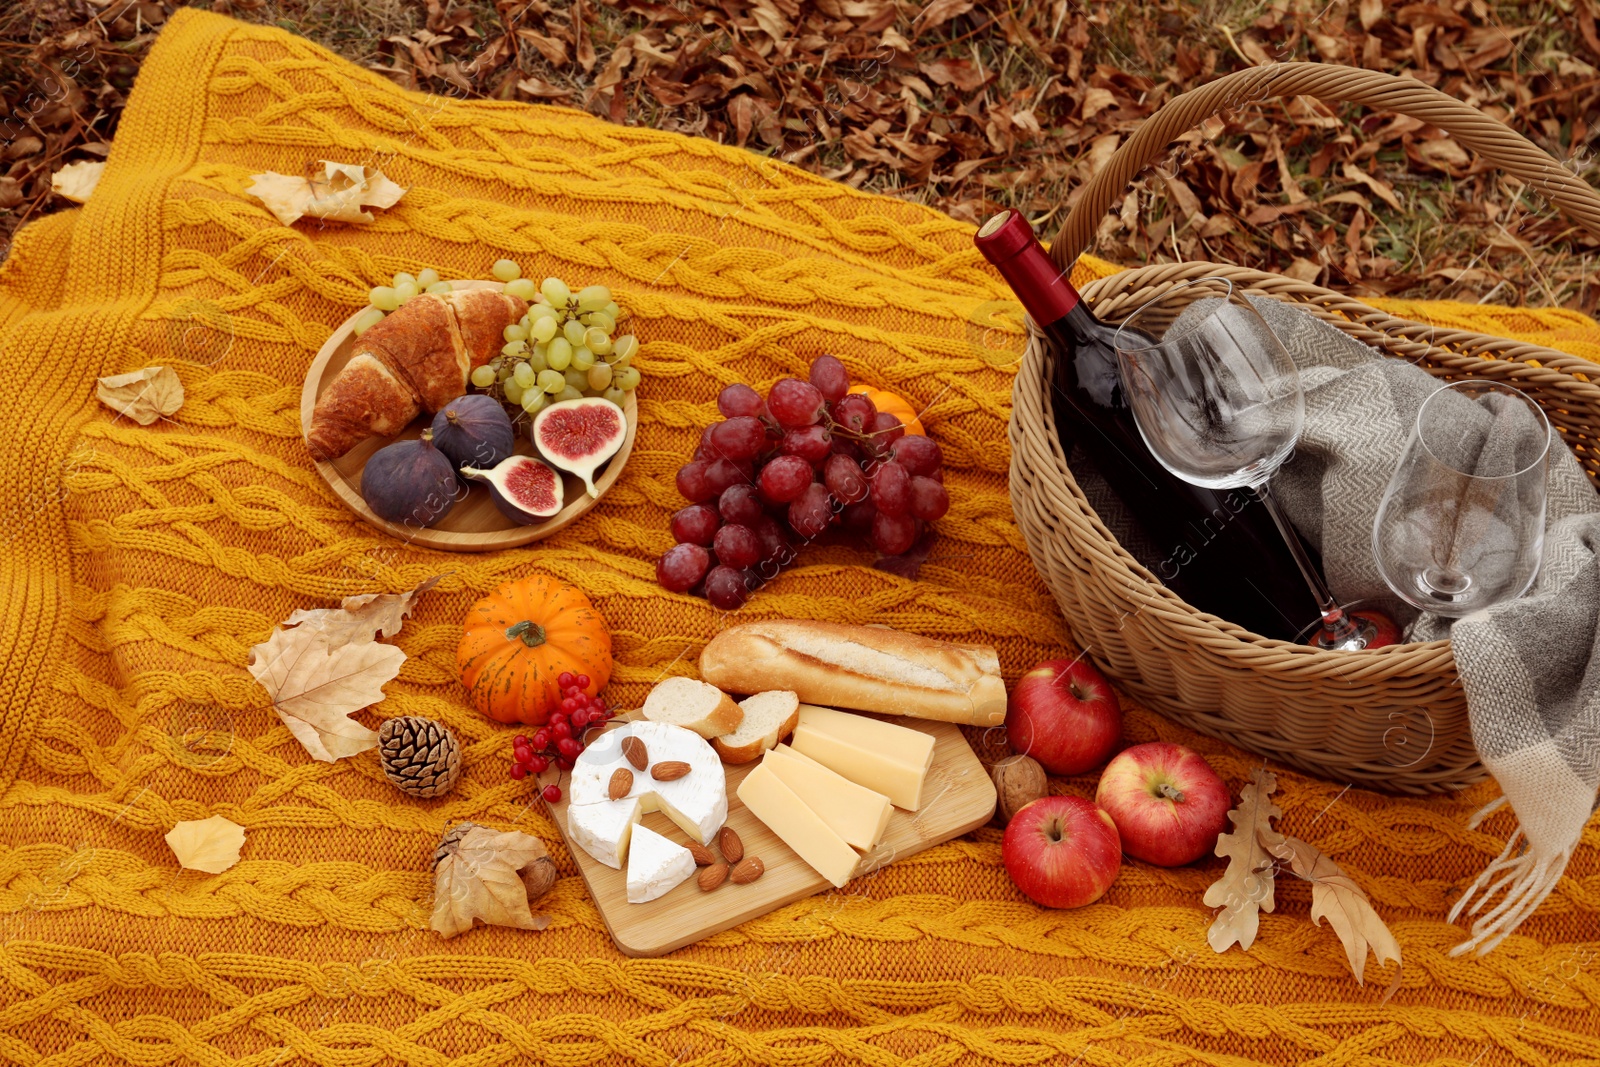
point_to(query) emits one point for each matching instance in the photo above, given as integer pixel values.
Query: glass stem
(1336, 625)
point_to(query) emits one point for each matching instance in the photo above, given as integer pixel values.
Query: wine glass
(1218, 402)
(1461, 525)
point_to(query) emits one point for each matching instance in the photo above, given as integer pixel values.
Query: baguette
(864, 668)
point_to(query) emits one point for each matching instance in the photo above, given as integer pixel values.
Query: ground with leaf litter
(969, 106)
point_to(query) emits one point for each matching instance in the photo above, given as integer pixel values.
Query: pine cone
(420, 757)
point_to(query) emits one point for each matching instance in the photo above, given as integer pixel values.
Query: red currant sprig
(560, 740)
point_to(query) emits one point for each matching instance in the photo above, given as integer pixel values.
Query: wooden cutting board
(962, 799)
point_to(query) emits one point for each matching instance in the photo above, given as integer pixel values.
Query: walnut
(539, 877)
(1019, 780)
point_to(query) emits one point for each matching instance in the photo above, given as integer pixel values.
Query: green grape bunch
(566, 346)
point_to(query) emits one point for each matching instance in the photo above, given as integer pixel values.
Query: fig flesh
(410, 482)
(580, 435)
(474, 431)
(525, 490)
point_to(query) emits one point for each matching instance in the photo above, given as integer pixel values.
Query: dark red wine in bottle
(1218, 549)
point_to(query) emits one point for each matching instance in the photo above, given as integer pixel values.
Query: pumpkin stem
(532, 633)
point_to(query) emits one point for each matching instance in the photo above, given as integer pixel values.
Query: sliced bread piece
(694, 705)
(768, 718)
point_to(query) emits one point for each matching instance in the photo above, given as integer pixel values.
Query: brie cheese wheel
(697, 803)
(655, 865)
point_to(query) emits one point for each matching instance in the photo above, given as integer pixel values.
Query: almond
(702, 855)
(621, 783)
(747, 870)
(713, 876)
(732, 847)
(670, 771)
(634, 750)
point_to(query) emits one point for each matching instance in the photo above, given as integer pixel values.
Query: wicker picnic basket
(1393, 718)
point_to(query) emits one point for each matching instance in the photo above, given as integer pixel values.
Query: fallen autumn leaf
(143, 395)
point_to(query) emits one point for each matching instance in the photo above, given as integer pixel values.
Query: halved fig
(525, 490)
(579, 435)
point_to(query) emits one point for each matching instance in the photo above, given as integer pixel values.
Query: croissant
(416, 359)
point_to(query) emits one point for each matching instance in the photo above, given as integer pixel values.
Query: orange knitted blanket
(141, 563)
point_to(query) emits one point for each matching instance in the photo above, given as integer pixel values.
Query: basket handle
(1382, 92)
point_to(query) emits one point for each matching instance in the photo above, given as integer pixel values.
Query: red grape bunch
(781, 471)
(559, 741)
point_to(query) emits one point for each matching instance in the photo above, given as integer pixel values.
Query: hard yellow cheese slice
(881, 756)
(802, 829)
(852, 811)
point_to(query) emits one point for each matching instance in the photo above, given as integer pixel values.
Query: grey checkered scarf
(1530, 667)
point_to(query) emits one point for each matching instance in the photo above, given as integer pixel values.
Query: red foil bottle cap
(1007, 241)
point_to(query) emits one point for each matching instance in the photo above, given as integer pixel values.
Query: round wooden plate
(474, 524)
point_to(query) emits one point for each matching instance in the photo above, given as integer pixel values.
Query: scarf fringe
(1528, 878)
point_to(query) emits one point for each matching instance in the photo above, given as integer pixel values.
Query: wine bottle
(1218, 549)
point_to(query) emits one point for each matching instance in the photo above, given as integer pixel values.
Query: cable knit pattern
(142, 563)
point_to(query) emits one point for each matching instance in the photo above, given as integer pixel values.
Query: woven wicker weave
(1393, 718)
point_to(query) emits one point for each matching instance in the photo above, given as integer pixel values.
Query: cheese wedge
(656, 866)
(886, 758)
(603, 829)
(852, 811)
(802, 829)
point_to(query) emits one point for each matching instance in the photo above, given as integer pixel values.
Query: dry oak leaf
(476, 877)
(1245, 888)
(1383, 190)
(1344, 904)
(954, 72)
(940, 12)
(1443, 153)
(361, 618)
(1095, 101)
(339, 195)
(76, 181)
(211, 845)
(142, 395)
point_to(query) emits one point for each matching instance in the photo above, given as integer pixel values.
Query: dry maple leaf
(316, 688)
(1245, 888)
(339, 195)
(476, 877)
(76, 181)
(142, 395)
(324, 665)
(361, 618)
(211, 845)
(1345, 906)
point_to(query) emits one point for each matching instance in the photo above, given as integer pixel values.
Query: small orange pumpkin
(895, 405)
(518, 641)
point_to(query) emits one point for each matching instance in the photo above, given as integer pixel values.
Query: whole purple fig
(410, 482)
(473, 431)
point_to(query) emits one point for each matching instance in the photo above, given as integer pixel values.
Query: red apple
(1167, 802)
(1062, 852)
(1064, 714)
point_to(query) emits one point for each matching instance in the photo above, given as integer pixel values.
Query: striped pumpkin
(518, 641)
